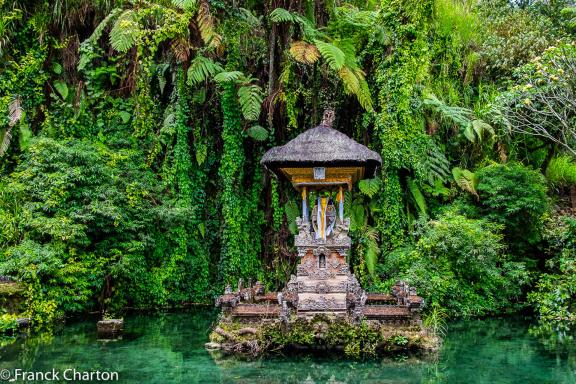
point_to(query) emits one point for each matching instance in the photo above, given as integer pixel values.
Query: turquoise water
(169, 348)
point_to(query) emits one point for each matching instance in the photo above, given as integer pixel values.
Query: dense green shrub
(514, 196)
(460, 264)
(554, 298)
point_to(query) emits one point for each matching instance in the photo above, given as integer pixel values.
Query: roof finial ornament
(328, 118)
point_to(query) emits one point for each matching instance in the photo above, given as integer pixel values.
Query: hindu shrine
(322, 164)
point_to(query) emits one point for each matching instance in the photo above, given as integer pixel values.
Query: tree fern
(206, 26)
(257, 132)
(355, 83)
(281, 15)
(185, 4)
(230, 76)
(473, 129)
(201, 69)
(304, 53)
(250, 98)
(125, 31)
(370, 187)
(437, 165)
(95, 36)
(332, 54)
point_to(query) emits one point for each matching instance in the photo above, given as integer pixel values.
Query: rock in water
(109, 329)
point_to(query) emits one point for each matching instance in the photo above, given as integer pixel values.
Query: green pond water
(169, 348)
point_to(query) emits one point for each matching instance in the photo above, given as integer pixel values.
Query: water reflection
(168, 348)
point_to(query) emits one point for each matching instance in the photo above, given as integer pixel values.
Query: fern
(201, 69)
(250, 98)
(473, 129)
(226, 77)
(304, 53)
(466, 180)
(438, 166)
(257, 132)
(281, 15)
(186, 5)
(370, 187)
(97, 34)
(205, 23)
(332, 54)
(355, 83)
(125, 31)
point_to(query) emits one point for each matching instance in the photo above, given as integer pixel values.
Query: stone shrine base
(319, 333)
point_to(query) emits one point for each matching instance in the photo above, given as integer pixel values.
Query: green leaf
(226, 77)
(62, 89)
(357, 216)
(250, 99)
(185, 4)
(201, 69)
(292, 212)
(258, 133)
(466, 180)
(370, 187)
(281, 15)
(125, 32)
(56, 68)
(202, 229)
(125, 116)
(417, 196)
(332, 54)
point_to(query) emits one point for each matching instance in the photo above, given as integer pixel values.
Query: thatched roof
(322, 146)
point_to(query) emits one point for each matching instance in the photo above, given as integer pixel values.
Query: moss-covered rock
(368, 338)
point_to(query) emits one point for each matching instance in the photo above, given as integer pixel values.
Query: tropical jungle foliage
(131, 133)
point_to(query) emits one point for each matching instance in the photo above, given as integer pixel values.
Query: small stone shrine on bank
(322, 164)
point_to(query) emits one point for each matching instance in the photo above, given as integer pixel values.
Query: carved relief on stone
(319, 304)
(321, 274)
(323, 287)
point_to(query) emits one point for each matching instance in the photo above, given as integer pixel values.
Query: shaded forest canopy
(131, 134)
